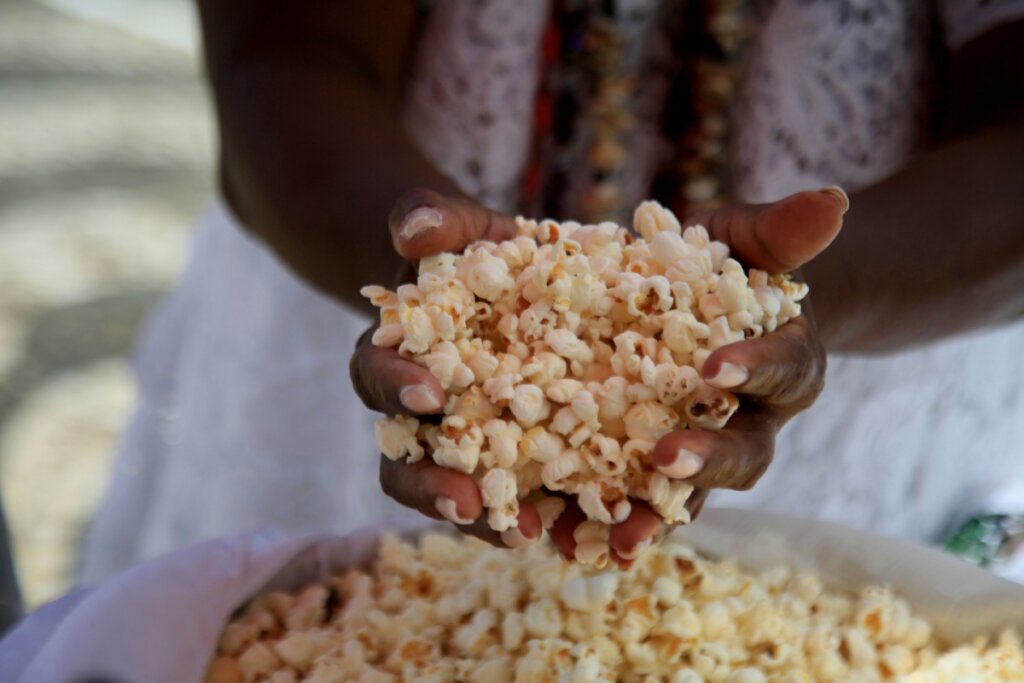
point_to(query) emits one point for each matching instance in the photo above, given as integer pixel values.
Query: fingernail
(514, 538)
(446, 506)
(686, 464)
(419, 221)
(839, 194)
(418, 398)
(729, 375)
(638, 550)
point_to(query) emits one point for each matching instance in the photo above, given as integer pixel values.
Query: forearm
(322, 204)
(938, 248)
(934, 250)
(313, 151)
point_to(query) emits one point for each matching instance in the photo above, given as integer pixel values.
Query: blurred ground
(105, 162)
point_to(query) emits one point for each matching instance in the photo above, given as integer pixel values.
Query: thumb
(424, 223)
(782, 236)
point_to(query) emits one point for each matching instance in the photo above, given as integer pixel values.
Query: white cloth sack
(160, 620)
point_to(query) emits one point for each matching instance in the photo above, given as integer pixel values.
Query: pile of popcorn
(566, 353)
(449, 610)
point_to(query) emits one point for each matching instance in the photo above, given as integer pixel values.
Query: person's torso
(824, 93)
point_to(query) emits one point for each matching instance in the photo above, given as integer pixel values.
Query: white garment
(111, 629)
(247, 417)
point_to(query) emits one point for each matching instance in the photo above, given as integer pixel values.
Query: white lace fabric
(470, 104)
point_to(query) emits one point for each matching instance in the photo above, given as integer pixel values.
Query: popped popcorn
(498, 491)
(586, 345)
(549, 508)
(445, 609)
(592, 543)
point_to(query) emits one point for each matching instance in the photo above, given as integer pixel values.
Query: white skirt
(247, 420)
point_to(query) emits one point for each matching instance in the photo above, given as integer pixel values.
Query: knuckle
(386, 476)
(359, 359)
(365, 393)
(737, 471)
(365, 339)
(751, 480)
(759, 457)
(728, 472)
(746, 484)
(487, 222)
(800, 378)
(395, 481)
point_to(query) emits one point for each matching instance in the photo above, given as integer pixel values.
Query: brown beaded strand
(584, 109)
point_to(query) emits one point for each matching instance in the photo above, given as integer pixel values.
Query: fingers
(424, 223)
(627, 540)
(562, 531)
(781, 236)
(437, 492)
(784, 368)
(640, 531)
(528, 529)
(388, 383)
(444, 494)
(733, 458)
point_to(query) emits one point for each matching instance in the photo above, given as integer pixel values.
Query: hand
(777, 237)
(424, 223)
(776, 376)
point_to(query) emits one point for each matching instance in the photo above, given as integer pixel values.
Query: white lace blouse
(836, 91)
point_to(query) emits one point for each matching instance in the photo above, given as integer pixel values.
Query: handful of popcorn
(566, 353)
(447, 609)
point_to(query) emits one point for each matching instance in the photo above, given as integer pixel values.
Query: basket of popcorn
(740, 596)
(566, 353)
(809, 602)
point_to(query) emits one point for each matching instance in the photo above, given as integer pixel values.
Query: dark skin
(786, 371)
(314, 157)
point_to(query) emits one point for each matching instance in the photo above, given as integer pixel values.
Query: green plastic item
(988, 540)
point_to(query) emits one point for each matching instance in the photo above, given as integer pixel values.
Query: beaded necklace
(584, 112)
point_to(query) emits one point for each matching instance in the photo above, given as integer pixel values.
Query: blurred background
(106, 154)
